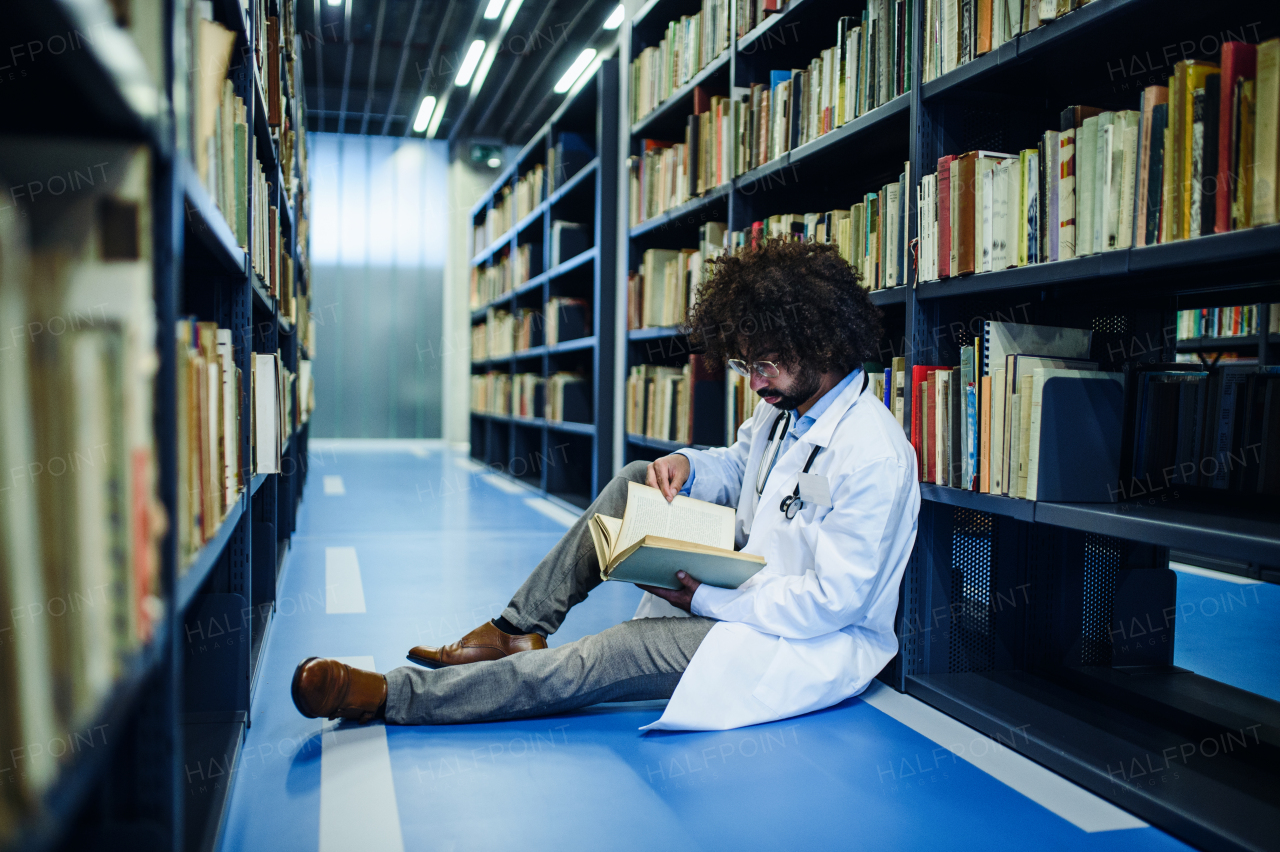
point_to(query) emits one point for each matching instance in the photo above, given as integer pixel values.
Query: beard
(802, 388)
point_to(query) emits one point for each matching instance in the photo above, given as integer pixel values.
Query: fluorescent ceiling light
(493, 10)
(478, 82)
(436, 119)
(335, 2)
(424, 113)
(576, 69)
(469, 63)
(494, 162)
(615, 18)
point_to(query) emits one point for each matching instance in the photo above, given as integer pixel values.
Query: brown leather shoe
(330, 689)
(486, 642)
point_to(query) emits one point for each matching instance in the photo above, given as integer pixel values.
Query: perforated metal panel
(973, 549)
(1103, 556)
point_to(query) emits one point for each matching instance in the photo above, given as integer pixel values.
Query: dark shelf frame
(533, 449)
(149, 706)
(1049, 545)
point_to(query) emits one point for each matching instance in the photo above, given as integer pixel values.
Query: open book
(654, 539)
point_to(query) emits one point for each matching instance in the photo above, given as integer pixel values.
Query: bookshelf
(1046, 662)
(867, 152)
(176, 703)
(570, 457)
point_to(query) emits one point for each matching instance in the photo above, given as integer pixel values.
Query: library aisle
(374, 569)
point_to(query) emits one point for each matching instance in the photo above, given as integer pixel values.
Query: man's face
(791, 387)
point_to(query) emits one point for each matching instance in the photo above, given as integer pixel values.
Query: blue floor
(1226, 631)
(440, 550)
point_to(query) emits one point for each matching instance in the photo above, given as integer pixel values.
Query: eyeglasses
(765, 369)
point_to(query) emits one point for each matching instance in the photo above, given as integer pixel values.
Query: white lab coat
(815, 625)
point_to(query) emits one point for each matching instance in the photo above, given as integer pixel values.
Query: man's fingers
(650, 477)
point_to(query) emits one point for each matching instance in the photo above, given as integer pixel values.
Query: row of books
(1231, 321)
(663, 290)
(491, 393)
(959, 31)
(1213, 428)
(659, 402)
(498, 219)
(667, 174)
(492, 281)
(568, 318)
(210, 393)
(1200, 161)
(978, 426)
(80, 516)
(530, 189)
(871, 235)
(687, 47)
(561, 396)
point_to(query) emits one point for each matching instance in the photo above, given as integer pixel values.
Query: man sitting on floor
(824, 483)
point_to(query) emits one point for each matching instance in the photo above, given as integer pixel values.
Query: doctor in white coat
(825, 489)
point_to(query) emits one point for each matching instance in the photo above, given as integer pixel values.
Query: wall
(378, 247)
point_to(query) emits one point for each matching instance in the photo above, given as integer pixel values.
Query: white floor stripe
(1183, 568)
(552, 511)
(389, 445)
(503, 484)
(467, 464)
(334, 485)
(1074, 804)
(343, 591)
(357, 794)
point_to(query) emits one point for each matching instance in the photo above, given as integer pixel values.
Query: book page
(686, 519)
(701, 523)
(647, 513)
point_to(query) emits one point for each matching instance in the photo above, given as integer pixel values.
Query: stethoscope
(791, 504)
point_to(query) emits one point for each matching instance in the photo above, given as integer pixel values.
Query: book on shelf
(268, 420)
(493, 280)
(1223, 322)
(1202, 427)
(654, 539)
(871, 235)
(568, 396)
(568, 240)
(568, 156)
(209, 392)
(527, 398)
(688, 45)
(530, 191)
(568, 318)
(80, 518)
(959, 31)
(491, 393)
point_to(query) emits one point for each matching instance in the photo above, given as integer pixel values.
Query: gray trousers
(637, 660)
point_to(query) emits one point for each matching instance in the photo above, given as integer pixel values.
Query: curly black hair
(800, 300)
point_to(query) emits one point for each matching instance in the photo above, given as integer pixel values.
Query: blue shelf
(657, 332)
(673, 216)
(680, 101)
(205, 221)
(198, 570)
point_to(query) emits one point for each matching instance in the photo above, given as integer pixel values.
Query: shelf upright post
(604, 311)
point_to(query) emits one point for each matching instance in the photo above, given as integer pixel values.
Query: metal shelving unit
(179, 702)
(1017, 614)
(865, 154)
(566, 461)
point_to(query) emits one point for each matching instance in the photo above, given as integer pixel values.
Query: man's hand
(668, 474)
(679, 598)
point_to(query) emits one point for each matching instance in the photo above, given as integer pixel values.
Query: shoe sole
(293, 687)
(425, 663)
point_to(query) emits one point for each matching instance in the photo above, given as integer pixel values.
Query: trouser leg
(570, 571)
(637, 660)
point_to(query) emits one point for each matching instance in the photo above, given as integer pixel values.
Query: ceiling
(367, 64)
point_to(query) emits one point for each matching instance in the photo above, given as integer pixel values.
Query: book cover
(1239, 62)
